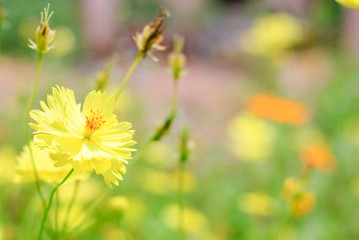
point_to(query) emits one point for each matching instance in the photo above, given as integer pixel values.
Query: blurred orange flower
(302, 204)
(318, 157)
(278, 109)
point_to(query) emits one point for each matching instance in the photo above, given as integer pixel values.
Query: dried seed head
(151, 36)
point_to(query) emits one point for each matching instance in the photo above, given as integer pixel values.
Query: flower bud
(163, 129)
(176, 59)
(184, 146)
(44, 34)
(152, 35)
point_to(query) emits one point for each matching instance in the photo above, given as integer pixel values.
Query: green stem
(28, 135)
(129, 74)
(169, 119)
(72, 201)
(56, 213)
(174, 96)
(180, 200)
(49, 205)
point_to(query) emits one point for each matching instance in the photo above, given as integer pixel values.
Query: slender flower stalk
(28, 135)
(181, 216)
(177, 61)
(44, 37)
(129, 74)
(44, 217)
(183, 157)
(147, 42)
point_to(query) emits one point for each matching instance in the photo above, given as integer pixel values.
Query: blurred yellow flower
(7, 161)
(302, 204)
(291, 187)
(251, 138)
(194, 221)
(159, 154)
(299, 200)
(109, 232)
(257, 204)
(349, 3)
(272, 35)
(156, 182)
(45, 167)
(119, 204)
(278, 109)
(88, 140)
(189, 181)
(318, 157)
(136, 210)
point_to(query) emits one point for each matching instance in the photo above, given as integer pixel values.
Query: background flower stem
(181, 216)
(129, 74)
(28, 135)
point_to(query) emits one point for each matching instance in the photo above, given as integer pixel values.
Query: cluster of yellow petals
(88, 139)
(278, 109)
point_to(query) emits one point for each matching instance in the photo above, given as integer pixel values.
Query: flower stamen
(93, 122)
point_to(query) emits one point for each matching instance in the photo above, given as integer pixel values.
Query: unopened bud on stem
(44, 34)
(176, 59)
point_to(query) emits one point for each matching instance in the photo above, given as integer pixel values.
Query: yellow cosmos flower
(349, 3)
(251, 137)
(46, 170)
(88, 139)
(257, 204)
(194, 221)
(7, 161)
(272, 35)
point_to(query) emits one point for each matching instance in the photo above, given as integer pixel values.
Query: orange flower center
(93, 122)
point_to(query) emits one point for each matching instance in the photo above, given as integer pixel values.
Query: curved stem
(181, 217)
(49, 204)
(129, 74)
(28, 135)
